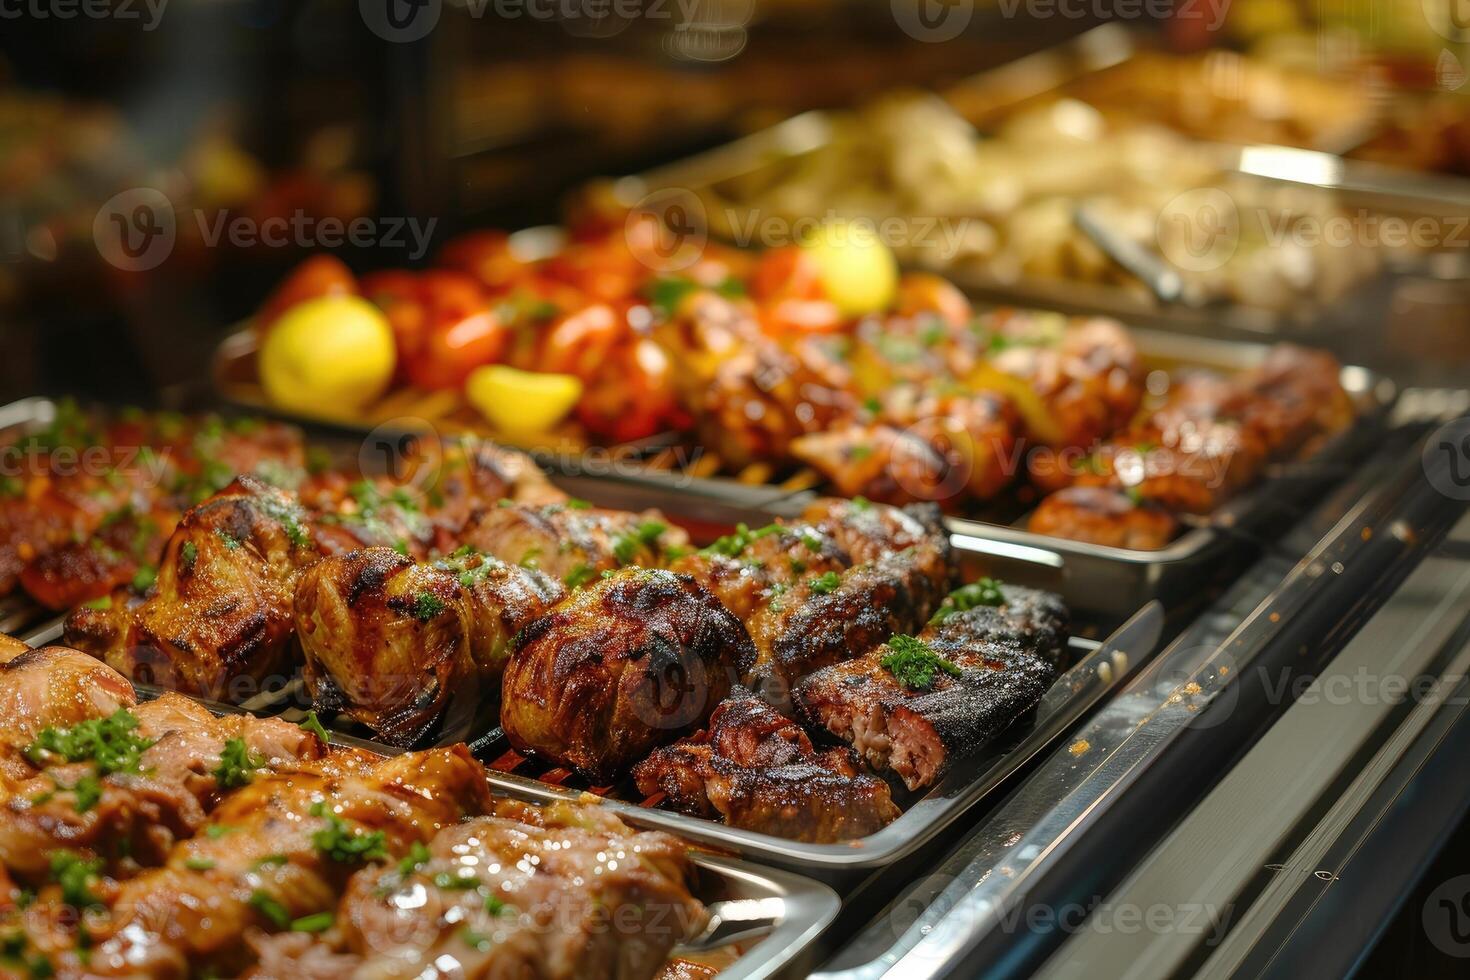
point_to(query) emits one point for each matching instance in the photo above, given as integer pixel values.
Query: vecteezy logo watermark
(1446, 459)
(667, 230)
(1446, 917)
(136, 230)
(934, 21)
(1199, 230)
(149, 12)
(400, 21)
(1212, 11)
(938, 238)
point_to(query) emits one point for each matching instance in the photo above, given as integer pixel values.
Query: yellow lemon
(328, 357)
(858, 271)
(522, 401)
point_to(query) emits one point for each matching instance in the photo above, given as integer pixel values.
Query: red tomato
(789, 272)
(634, 396)
(390, 285)
(320, 275)
(451, 295)
(486, 255)
(578, 343)
(449, 351)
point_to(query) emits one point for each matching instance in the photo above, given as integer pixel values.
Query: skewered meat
(399, 646)
(629, 663)
(916, 705)
(286, 846)
(758, 770)
(556, 893)
(1099, 515)
(221, 608)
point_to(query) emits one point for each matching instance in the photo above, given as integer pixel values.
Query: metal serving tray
(992, 95)
(801, 908)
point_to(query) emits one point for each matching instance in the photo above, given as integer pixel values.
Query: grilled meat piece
(131, 820)
(757, 770)
(1296, 397)
(571, 544)
(221, 607)
(114, 556)
(988, 674)
(559, 893)
(404, 647)
(52, 687)
(1106, 517)
(286, 846)
(629, 663)
(746, 570)
(906, 569)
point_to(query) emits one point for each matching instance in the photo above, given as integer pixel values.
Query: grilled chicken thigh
(52, 687)
(618, 668)
(399, 645)
(221, 608)
(557, 893)
(757, 770)
(915, 705)
(573, 544)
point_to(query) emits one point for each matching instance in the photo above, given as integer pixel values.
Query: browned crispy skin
(404, 647)
(757, 770)
(221, 607)
(772, 560)
(1296, 397)
(629, 663)
(197, 910)
(1099, 515)
(918, 734)
(578, 896)
(79, 572)
(906, 567)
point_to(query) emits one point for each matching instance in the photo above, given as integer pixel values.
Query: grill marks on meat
(404, 647)
(221, 607)
(757, 770)
(1007, 658)
(905, 567)
(622, 666)
(530, 889)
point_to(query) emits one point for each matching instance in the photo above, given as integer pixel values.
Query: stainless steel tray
(800, 907)
(994, 93)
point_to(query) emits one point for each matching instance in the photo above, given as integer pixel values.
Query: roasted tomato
(579, 342)
(634, 397)
(449, 350)
(320, 275)
(486, 255)
(789, 272)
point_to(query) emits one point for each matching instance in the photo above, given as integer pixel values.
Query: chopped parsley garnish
(576, 504)
(144, 578)
(270, 908)
(76, 875)
(985, 592)
(824, 583)
(272, 861)
(188, 554)
(418, 856)
(477, 941)
(812, 541)
(320, 922)
(230, 541)
(913, 664)
(217, 830)
(731, 545)
(580, 575)
(236, 765)
(455, 882)
(345, 844)
(495, 906)
(88, 792)
(645, 535)
(665, 295)
(109, 742)
(313, 724)
(426, 606)
(200, 864)
(861, 504)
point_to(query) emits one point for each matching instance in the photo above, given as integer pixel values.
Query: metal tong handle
(1164, 282)
(733, 921)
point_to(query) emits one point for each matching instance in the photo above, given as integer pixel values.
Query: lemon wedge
(522, 401)
(328, 357)
(858, 271)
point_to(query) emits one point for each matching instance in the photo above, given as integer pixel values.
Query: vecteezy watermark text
(148, 12)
